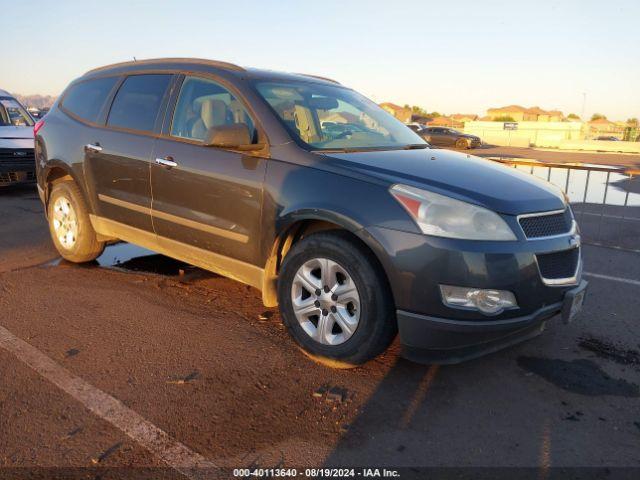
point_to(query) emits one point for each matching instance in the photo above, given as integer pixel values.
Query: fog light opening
(486, 301)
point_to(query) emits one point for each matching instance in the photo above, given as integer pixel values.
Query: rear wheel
(462, 143)
(69, 224)
(335, 300)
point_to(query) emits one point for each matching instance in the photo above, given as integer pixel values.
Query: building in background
(604, 127)
(523, 114)
(464, 117)
(401, 113)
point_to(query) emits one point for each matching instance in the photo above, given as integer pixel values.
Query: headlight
(443, 216)
(489, 302)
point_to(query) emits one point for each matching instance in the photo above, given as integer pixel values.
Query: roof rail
(320, 78)
(152, 61)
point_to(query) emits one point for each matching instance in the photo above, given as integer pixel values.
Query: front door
(207, 198)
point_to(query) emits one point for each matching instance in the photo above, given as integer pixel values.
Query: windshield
(12, 114)
(335, 118)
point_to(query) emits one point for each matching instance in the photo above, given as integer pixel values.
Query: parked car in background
(314, 195)
(448, 137)
(17, 164)
(608, 138)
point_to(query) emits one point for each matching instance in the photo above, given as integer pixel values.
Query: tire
(462, 144)
(67, 212)
(373, 312)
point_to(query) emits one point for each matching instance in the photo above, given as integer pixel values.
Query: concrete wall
(561, 135)
(539, 134)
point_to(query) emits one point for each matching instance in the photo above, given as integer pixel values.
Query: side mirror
(235, 137)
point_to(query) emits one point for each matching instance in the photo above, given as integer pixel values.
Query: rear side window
(138, 101)
(86, 99)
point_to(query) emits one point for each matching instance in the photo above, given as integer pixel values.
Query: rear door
(211, 197)
(118, 157)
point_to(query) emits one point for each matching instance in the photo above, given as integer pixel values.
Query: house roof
(393, 106)
(536, 111)
(601, 121)
(445, 121)
(458, 116)
(520, 109)
(508, 108)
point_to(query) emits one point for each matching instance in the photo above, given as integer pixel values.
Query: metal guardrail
(605, 199)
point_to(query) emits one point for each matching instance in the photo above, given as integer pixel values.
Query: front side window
(12, 114)
(86, 99)
(138, 101)
(331, 117)
(204, 104)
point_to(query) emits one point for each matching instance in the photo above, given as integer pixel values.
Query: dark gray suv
(309, 192)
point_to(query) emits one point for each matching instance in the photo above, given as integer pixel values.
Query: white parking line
(170, 451)
(614, 279)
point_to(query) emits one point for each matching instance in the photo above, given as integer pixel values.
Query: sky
(453, 57)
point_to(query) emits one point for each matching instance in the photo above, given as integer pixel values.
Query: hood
(466, 135)
(472, 179)
(16, 137)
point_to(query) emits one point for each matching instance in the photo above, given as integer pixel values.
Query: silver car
(17, 163)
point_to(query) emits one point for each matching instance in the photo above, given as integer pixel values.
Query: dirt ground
(197, 356)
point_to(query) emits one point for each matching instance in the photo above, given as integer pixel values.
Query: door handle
(166, 162)
(94, 147)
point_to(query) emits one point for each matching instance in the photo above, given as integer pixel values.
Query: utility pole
(584, 102)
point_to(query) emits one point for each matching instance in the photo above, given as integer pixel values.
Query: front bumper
(430, 331)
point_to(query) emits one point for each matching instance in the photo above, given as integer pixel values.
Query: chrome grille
(546, 225)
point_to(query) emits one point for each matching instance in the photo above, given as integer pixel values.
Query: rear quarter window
(138, 101)
(86, 99)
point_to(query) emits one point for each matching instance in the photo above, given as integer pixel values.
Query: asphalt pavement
(139, 362)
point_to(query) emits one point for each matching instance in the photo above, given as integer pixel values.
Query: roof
(509, 108)
(458, 116)
(601, 121)
(206, 65)
(519, 109)
(537, 111)
(393, 106)
(4, 93)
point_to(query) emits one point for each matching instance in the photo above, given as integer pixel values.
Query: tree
(632, 122)
(598, 116)
(504, 118)
(573, 116)
(416, 110)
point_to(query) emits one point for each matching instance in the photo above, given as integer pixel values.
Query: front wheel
(335, 300)
(462, 143)
(69, 224)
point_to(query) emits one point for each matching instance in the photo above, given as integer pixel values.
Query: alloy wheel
(325, 301)
(65, 222)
